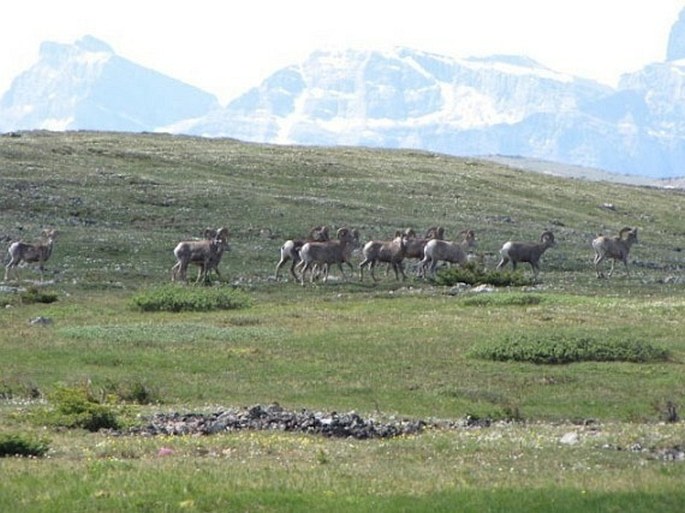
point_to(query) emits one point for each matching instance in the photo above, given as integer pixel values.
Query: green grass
(122, 201)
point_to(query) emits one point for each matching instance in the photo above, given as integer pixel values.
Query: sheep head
(319, 233)
(547, 238)
(50, 234)
(222, 233)
(469, 238)
(631, 234)
(435, 232)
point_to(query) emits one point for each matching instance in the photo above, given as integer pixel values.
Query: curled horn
(547, 235)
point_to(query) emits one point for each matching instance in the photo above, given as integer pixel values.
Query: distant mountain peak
(85, 85)
(92, 44)
(676, 39)
(513, 60)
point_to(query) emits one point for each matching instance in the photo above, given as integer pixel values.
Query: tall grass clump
(175, 298)
(569, 347)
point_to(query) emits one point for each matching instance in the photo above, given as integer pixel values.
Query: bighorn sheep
(215, 259)
(206, 253)
(31, 253)
(325, 253)
(290, 250)
(415, 244)
(615, 248)
(530, 252)
(437, 250)
(390, 251)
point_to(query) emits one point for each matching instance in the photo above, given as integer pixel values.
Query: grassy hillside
(121, 201)
(392, 350)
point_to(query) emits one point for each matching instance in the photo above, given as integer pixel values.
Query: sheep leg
(305, 266)
(364, 263)
(373, 270)
(292, 268)
(611, 270)
(536, 271)
(281, 263)
(7, 270)
(423, 264)
(504, 261)
(399, 266)
(598, 259)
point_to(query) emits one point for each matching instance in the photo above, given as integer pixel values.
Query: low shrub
(35, 295)
(472, 274)
(563, 348)
(77, 407)
(135, 392)
(21, 445)
(502, 300)
(178, 298)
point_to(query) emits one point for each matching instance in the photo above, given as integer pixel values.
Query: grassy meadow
(589, 435)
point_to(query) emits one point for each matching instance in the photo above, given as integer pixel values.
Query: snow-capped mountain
(506, 105)
(87, 86)
(498, 105)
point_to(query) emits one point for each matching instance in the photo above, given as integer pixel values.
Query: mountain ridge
(395, 98)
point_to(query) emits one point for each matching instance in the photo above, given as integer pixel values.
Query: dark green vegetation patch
(474, 275)
(174, 298)
(21, 445)
(503, 299)
(560, 348)
(78, 408)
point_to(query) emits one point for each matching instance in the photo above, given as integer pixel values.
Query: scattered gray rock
(40, 321)
(275, 418)
(570, 438)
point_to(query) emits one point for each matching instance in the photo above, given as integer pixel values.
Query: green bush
(135, 392)
(562, 348)
(502, 299)
(178, 298)
(19, 445)
(76, 407)
(472, 274)
(35, 295)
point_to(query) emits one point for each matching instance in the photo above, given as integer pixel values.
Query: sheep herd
(318, 251)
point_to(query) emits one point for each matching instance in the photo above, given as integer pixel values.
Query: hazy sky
(225, 47)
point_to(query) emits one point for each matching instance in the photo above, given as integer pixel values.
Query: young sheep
(31, 253)
(323, 254)
(390, 251)
(437, 250)
(615, 248)
(206, 253)
(215, 259)
(530, 252)
(290, 250)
